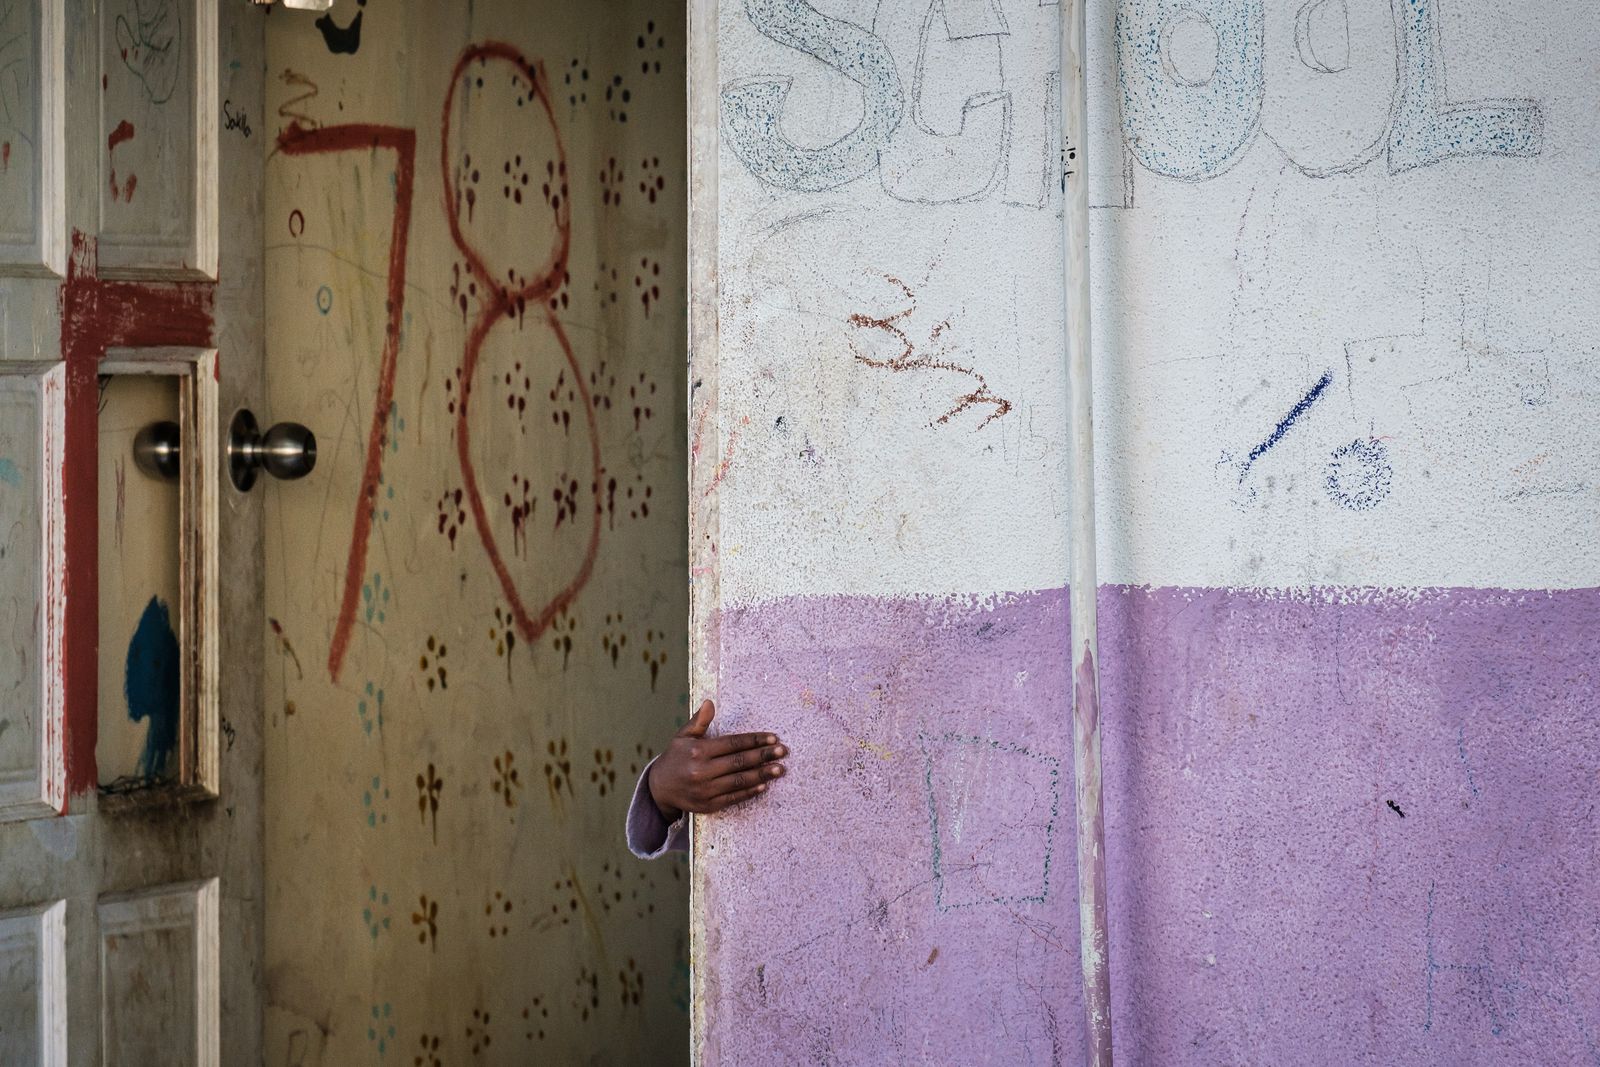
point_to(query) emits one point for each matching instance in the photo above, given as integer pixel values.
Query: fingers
(701, 722)
(728, 800)
(722, 746)
(745, 759)
(733, 783)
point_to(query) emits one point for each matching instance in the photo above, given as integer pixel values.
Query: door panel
(158, 126)
(32, 138)
(32, 568)
(33, 992)
(147, 900)
(158, 976)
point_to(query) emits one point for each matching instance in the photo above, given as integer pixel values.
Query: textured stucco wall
(1346, 397)
(459, 697)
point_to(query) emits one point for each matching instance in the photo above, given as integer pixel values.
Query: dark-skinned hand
(704, 774)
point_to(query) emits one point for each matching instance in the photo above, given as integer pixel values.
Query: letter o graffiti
(1183, 127)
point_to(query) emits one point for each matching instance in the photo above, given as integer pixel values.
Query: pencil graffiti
(1193, 132)
(1329, 99)
(1196, 82)
(16, 79)
(1322, 35)
(921, 164)
(1500, 991)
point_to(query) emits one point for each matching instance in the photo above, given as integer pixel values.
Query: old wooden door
(130, 295)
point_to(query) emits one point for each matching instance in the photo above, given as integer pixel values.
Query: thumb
(701, 722)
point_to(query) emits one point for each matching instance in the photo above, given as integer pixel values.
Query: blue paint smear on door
(153, 686)
(9, 472)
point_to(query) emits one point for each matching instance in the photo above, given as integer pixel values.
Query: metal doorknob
(156, 450)
(287, 451)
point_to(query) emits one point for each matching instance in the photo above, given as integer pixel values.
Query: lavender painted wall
(1343, 827)
(1347, 356)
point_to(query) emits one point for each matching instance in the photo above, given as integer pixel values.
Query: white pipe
(1084, 649)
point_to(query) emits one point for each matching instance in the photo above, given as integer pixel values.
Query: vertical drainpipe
(1092, 910)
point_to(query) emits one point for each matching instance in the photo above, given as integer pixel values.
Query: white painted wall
(1449, 299)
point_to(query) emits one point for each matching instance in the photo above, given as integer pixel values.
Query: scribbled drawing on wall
(1504, 993)
(293, 108)
(124, 133)
(931, 359)
(150, 41)
(1405, 392)
(17, 119)
(1275, 435)
(1004, 132)
(1194, 129)
(1329, 100)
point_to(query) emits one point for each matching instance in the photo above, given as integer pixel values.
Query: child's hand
(706, 774)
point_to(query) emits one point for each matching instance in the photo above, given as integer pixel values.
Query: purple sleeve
(650, 836)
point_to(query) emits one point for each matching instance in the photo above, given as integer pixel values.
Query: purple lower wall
(1354, 827)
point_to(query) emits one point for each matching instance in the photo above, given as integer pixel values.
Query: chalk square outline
(1050, 762)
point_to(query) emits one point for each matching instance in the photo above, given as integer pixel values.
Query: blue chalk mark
(753, 110)
(9, 472)
(1359, 475)
(1287, 422)
(153, 685)
(1427, 128)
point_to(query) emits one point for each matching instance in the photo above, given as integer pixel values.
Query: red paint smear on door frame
(301, 140)
(97, 315)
